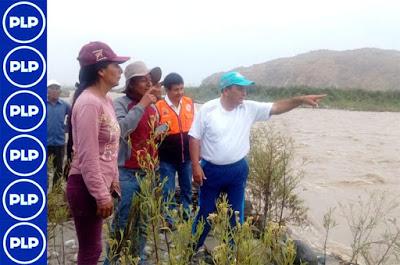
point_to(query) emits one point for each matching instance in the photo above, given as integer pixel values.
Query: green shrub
(272, 181)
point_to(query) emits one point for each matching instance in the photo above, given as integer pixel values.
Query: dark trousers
(88, 225)
(130, 188)
(56, 152)
(230, 179)
(184, 170)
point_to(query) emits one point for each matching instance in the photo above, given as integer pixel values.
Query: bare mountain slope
(367, 68)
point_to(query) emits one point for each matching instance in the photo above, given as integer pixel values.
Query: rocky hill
(367, 68)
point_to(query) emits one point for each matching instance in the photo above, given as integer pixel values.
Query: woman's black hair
(88, 76)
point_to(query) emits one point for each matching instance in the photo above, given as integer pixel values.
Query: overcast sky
(198, 38)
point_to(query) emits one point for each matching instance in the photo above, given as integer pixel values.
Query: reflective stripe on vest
(177, 124)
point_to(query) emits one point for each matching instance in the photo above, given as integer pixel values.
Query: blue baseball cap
(234, 78)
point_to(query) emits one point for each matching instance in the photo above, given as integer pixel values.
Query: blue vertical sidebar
(23, 94)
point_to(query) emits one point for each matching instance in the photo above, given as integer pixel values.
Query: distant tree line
(349, 99)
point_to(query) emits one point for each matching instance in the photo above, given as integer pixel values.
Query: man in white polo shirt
(220, 137)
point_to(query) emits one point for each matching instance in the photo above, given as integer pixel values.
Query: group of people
(108, 137)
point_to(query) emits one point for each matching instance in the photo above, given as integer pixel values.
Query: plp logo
(24, 243)
(24, 155)
(24, 66)
(24, 111)
(24, 199)
(24, 22)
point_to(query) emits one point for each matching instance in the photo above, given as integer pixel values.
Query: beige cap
(139, 68)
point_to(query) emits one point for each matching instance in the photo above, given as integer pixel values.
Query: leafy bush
(272, 180)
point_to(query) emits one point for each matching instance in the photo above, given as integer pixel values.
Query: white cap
(53, 82)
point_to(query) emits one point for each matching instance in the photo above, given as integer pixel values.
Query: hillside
(367, 68)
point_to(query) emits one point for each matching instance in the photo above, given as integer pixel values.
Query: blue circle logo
(24, 22)
(24, 111)
(24, 155)
(24, 199)
(24, 66)
(25, 241)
